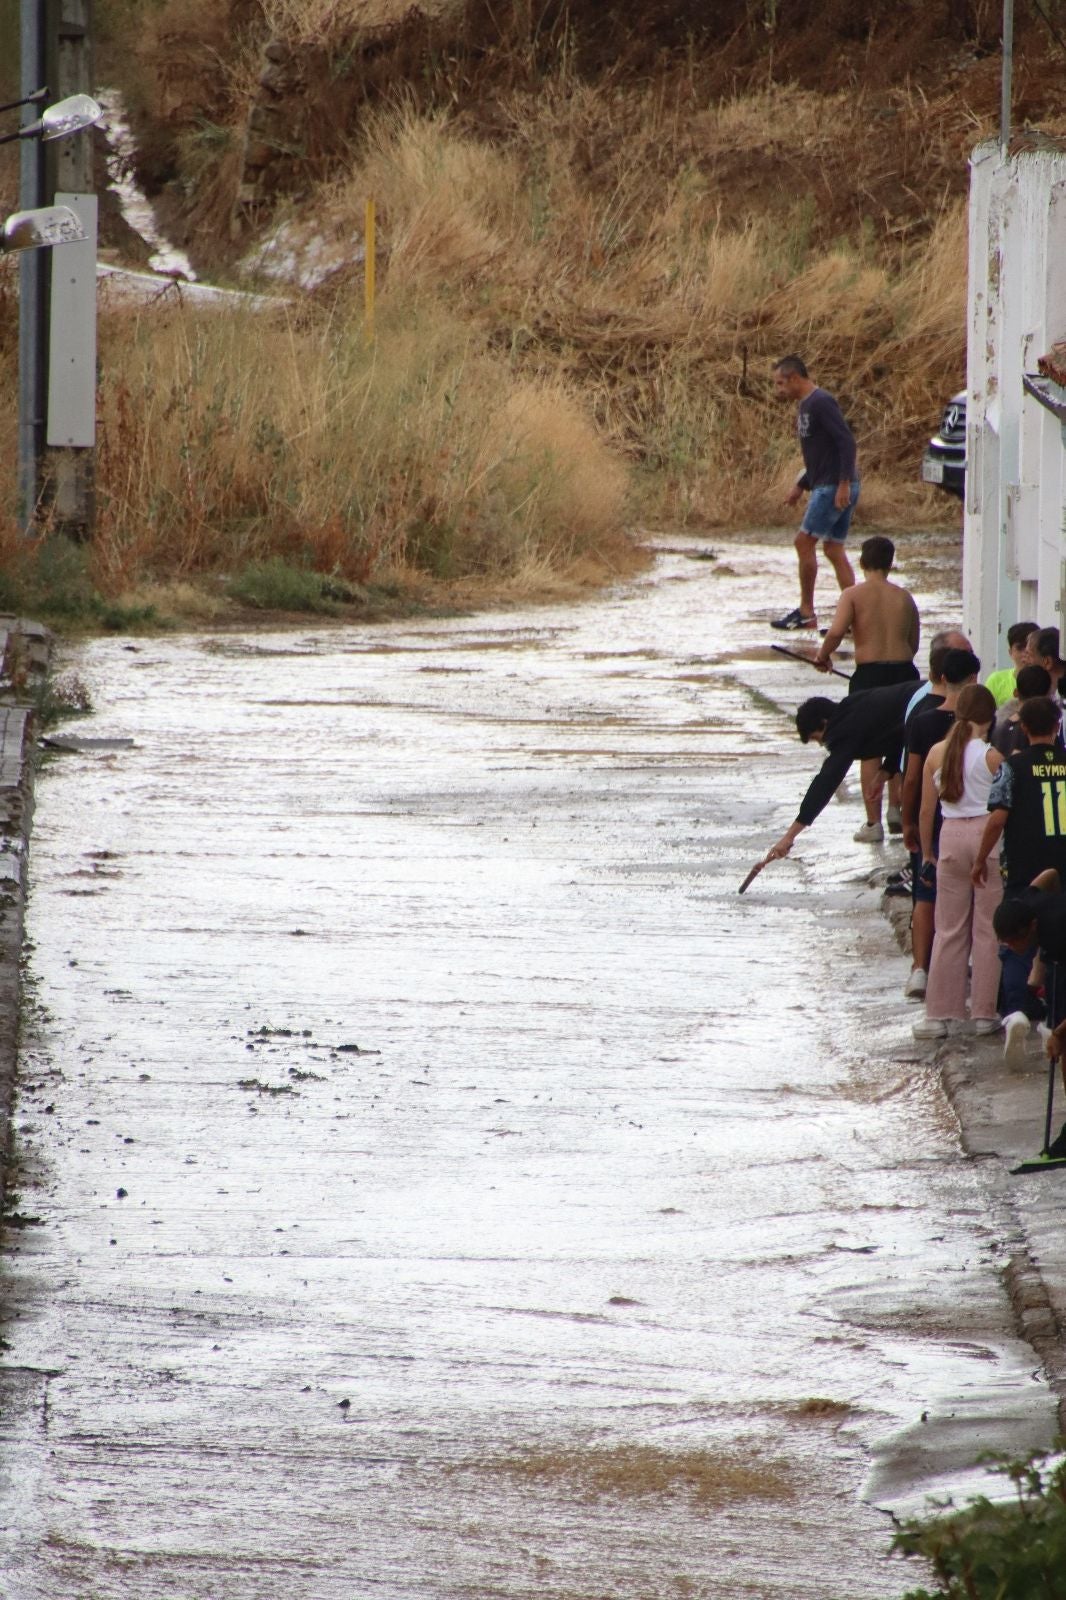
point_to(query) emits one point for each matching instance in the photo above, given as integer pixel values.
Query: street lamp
(68, 116)
(38, 229)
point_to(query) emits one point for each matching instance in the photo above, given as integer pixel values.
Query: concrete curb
(1000, 1117)
(25, 655)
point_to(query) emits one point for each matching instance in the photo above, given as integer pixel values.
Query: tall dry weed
(233, 440)
(447, 201)
(650, 296)
(310, 21)
(584, 289)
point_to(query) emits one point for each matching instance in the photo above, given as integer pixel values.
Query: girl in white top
(959, 772)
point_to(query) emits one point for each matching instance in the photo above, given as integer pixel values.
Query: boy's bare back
(882, 619)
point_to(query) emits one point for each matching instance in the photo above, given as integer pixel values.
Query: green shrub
(66, 695)
(51, 579)
(997, 1550)
(275, 585)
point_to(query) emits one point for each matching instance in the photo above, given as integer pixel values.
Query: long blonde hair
(975, 707)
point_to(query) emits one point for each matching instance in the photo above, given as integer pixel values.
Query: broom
(1045, 1162)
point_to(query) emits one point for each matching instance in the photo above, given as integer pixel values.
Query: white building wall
(1013, 541)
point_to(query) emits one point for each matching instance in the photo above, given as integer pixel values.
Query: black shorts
(881, 675)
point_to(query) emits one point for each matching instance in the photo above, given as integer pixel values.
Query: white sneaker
(870, 833)
(914, 988)
(930, 1028)
(984, 1026)
(894, 818)
(1016, 1031)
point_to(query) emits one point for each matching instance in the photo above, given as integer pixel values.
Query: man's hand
(842, 498)
(822, 663)
(781, 849)
(979, 875)
(1053, 1043)
(793, 496)
(911, 838)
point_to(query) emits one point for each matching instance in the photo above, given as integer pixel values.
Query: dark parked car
(944, 462)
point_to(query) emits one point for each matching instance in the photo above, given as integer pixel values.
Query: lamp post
(1006, 76)
(40, 228)
(33, 266)
(67, 117)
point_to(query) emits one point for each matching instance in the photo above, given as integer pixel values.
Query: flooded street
(448, 1185)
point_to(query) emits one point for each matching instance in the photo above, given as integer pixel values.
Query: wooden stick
(754, 873)
(797, 655)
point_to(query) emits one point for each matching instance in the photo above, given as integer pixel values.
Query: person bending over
(860, 727)
(1033, 923)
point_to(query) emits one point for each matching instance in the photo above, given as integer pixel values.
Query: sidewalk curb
(25, 656)
(967, 1077)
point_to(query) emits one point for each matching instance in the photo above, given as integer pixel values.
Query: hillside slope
(598, 224)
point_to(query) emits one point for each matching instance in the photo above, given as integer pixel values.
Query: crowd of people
(976, 781)
(975, 772)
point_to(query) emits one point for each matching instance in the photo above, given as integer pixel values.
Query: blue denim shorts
(822, 520)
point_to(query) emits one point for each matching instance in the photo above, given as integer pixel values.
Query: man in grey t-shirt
(831, 478)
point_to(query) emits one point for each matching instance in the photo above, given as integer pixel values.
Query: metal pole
(1007, 75)
(70, 434)
(33, 272)
(370, 249)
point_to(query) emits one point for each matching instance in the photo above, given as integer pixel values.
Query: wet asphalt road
(448, 1186)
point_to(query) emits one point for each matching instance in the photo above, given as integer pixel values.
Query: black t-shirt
(1049, 911)
(1035, 835)
(861, 727)
(924, 730)
(827, 442)
(928, 702)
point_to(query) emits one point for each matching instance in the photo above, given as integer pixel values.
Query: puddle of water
(640, 1208)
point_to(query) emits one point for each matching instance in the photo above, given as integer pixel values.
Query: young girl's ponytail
(976, 706)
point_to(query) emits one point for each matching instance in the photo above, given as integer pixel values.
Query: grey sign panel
(72, 353)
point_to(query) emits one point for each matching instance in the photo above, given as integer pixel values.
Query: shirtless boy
(883, 621)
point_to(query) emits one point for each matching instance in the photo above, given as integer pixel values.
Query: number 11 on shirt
(1051, 793)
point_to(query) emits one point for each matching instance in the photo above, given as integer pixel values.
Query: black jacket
(862, 726)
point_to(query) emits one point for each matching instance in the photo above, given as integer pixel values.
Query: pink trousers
(963, 924)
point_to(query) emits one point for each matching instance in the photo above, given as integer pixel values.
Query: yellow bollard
(369, 265)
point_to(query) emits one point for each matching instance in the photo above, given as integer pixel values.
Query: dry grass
(311, 21)
(641, 295)
(542, 343)
(712, 1478)
(818, 1409)
(583, 288)
(229, 440)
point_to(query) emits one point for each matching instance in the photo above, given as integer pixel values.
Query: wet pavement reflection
(448, 1186)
